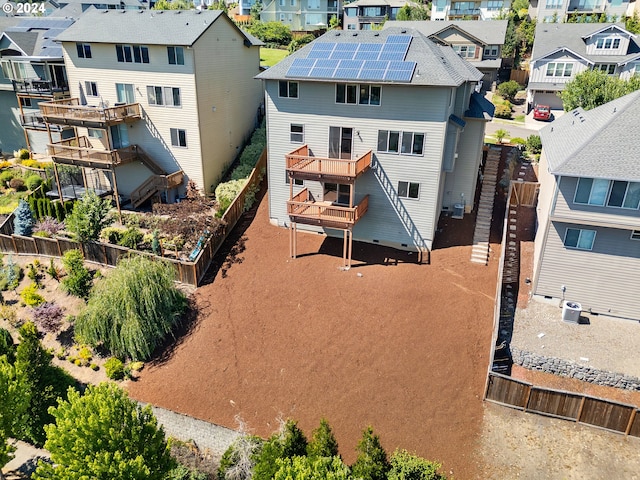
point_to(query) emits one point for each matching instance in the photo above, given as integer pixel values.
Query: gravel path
(604, 343)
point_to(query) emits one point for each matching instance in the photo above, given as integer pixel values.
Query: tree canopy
(592, 88)
(372, 462)
(104, 435)
(89, 217)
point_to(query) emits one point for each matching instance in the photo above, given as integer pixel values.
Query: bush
(6, 176)
(131, 238)
(23, 154)
(534, 144)
(183, 473)
(114, 368)
(17, 184)
(89, 216)
(48, 225)
(33, 182)
(274, 33)
(23, 221)
(48, 316)
(5, 164)
(503, 111)
(78, 279)
(509, 89)
(7, 346)
(112, 234)
(8, 313)
(132, 309)
(226, 193)
(30, 296)
(10, 275)
(518, 141)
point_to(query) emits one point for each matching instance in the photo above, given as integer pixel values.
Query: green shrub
(90, 215)
(10, 275)
(94, 367)
(132, 309)
(78, 280)
(518, 141)
(17, 184)
(30, 296)
(534, 144)
(503, 111)
(23, 154)
(7, 346)
(6, 176)
(509, 89)
(112, 234)
(33, 182)
(131, 237)
(226, 193)
(114, 368)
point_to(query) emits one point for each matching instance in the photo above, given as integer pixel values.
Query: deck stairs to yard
(480, 250)
(160, 180)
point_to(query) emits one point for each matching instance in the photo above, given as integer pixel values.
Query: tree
(104, 435)
(500, 134)
(173, 5)
(323, 443)
(632, 23)
(45, 383)
(311, 468)
(238, 460)
(133, 309)
(525, 33)
(89, 216)
(592, 88)
(14, 402)
(534, 144)
(255, 11)
(219, 5)
(78, 280)
(288, 443)
(7, 347)
(23, 221)
(405, 466)
(372, 463)
(273, 33)
(509, 89)
(334, 22)
(404, 13)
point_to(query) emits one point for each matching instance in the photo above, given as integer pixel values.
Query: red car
(542, 112)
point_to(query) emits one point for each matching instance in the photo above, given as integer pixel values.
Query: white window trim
(358, 87)
(289, 82)
(90, 93)
(407, 197)
(400, 137)
(624, 198)
(635, 235)
(566, 232)
(164, 103)
(292, 133)
(178, 130)
(555, 68)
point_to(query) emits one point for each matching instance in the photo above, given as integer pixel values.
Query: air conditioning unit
(458, 211)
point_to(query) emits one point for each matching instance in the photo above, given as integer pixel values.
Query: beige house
(158, 98)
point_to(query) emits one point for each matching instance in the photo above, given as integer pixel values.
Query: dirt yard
(392, 344)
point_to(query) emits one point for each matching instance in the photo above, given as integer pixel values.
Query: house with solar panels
(371, 135)
(33, 71)
(157, 98)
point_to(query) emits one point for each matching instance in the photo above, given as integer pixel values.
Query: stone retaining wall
(565, 368)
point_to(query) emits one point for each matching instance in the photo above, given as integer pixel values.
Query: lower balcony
(81, 153)
(35, 121)
(70, 112)
(302, 208)
(302, 165)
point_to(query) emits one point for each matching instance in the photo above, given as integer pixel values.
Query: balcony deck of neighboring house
(70, 112)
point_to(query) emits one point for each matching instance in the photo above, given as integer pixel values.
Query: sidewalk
(25, 461)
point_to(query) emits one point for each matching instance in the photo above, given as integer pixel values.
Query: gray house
(588, 238)
(372, 134)
(562, 50)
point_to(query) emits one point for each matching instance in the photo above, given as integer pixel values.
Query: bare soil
(393, 344)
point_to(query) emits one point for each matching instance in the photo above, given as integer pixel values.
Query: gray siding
(603, 280)
(566, 209)
(11, 133)
(400, 222)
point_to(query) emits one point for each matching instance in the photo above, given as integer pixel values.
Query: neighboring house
(371, 14)
(562, 10)
(562, 50)
(33, 71)
(452, 10)
(103, 4)
(244, 7)
(588, 239)
(156, 96)
(301, 15)
(373, 134)
(476, 41)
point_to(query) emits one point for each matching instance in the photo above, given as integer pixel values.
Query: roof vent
(140, 11)
(376, 34)
(614, 108)
(122, 11)
(355, 34)
(403, 31)
(160, 12)
(198, 12)
(337, 34)
(178, 12)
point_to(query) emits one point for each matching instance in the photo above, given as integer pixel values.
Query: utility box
(571, 312)
(458, 211)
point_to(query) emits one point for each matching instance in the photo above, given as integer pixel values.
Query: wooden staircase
(480, 250)
(160, 180)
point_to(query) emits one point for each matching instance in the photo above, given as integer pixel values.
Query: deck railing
(69, 110)
(38, 87)
(80, 152)
(302, 205)
(299, 161)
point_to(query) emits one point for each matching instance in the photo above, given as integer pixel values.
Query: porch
(70, 112)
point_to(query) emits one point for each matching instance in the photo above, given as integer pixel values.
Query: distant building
(561, 10)
(587, 247)
(371, 14)
(468, 10)
(301, 15)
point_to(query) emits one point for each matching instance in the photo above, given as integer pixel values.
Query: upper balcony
(70, 112)
(40, 88)
(302, 208)
(464, 12)
(300, 164)
(81, 153)
(35, 121)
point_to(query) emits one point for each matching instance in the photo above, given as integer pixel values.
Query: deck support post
(293, 240)
(55, 172)
(344, 248)
(350, 246)
(116, 194)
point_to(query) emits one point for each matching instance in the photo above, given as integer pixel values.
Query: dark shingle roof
(25, 41)
(150, 27)
(599, 143)
(35, 35)
(491, 32)
(435, 65)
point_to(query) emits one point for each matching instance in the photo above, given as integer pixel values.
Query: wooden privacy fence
(597, 412)
(187, 272)
(525, 194)
(520, 76)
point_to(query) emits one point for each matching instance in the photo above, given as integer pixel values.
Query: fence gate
(525, 194)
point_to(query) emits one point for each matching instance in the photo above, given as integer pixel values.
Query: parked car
(542, 112)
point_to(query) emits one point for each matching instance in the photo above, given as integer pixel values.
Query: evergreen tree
(290, 442)
(89, 217)
(405, 466)
(372, 463)
(14, 400)
(7, 347)
(323, 443)
(23, 220)
(312, 468)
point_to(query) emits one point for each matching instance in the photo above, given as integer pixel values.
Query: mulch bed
(393, 344)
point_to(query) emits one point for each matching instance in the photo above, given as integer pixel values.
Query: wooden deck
(79, 152)
(70, 112)
(302, 209)
(301, 164)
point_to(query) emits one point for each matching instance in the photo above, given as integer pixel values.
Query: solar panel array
(357, 61)
(49, 29)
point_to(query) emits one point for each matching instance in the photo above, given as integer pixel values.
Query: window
(624, 195)
(591, 191)
(84, 50)
(635, 68)
(494, 4)
(296, 181)
(282, 17)
(167, 96)
(351, 26)
(282, 3)
(288, 89)
(388, 141)
(491, 51)
(315, 4)
(408, 189)
(553, 4)
(608, 43)
(292, 3)
(609, 69)
(314, 19)
(91, 89)
(297, 133)
(635, 234)
(465, 51)
(25, 101)
(178, 137)
(559, 69)
(95, 133)
(412, 143)
(289, 17)
(580, 239)
(129, 54)
(351, 12)
(125, 93)
(358, 94)
(176, 55)
(6, 70)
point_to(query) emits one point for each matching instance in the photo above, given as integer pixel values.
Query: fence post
(580, 409)
(526, 399)
(59, 248)
(632, 417)
(13, 240)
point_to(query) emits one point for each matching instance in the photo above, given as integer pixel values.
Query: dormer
(609, 40)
